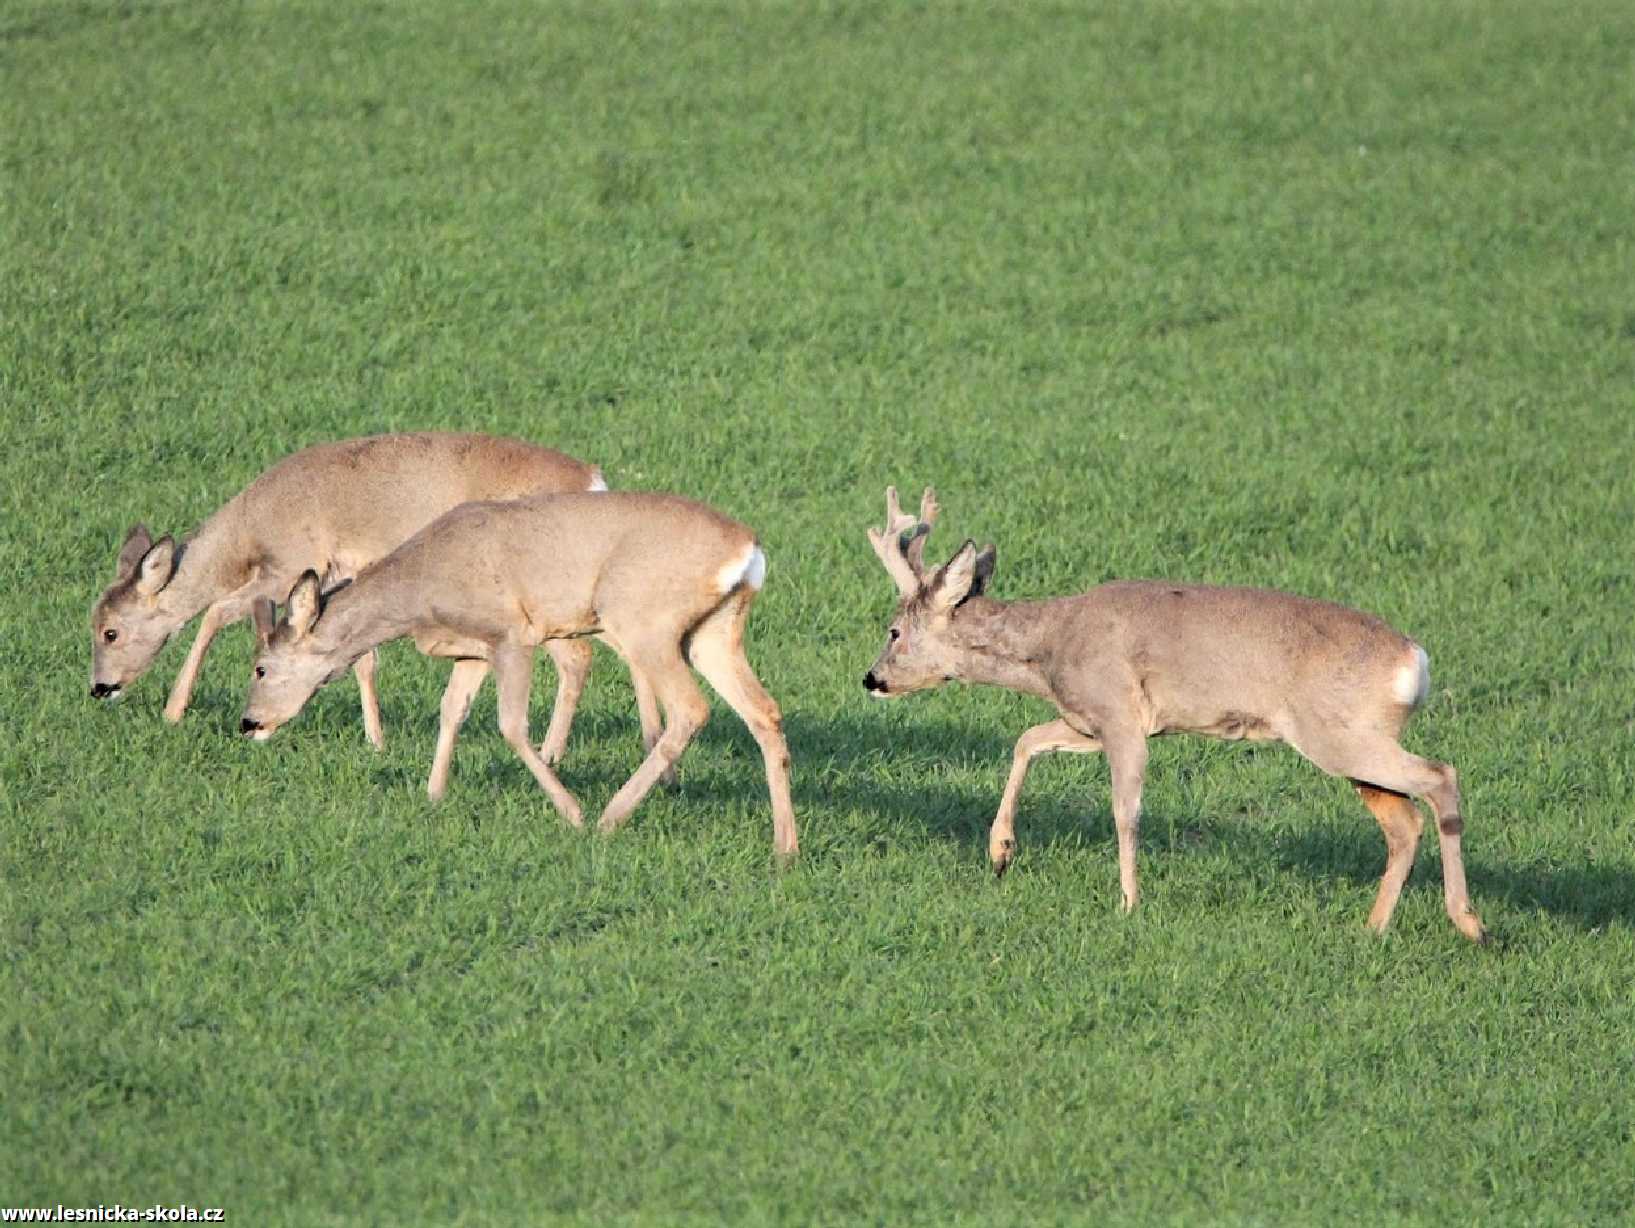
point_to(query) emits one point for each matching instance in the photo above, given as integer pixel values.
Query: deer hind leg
(463, 683)
(1401, 824)
(364, 668)
(685, 711)
(1385, 765)
(647, 706)
(717, 651)
(647, 712)
(572, 659)
(1450, 826)
(513, 674)
(1040, 740)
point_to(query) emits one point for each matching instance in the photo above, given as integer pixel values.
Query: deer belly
(556, 620)
(1229, 727)
(451, 644)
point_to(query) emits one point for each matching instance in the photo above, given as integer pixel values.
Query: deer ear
(264, 618)
(956, 580)
(137, 543)
(157, 566)
(304, 603)
(984, 569)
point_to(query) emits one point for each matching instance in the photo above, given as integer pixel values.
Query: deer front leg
(573, 660)
(513, 672)
(229, 609)
(1040, 740)
(463, 683)
(1127, 760)
(369, 697)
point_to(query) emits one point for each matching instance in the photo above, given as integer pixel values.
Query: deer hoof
(1000, 854)
(1471, 927)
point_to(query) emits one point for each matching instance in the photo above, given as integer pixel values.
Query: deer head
(290, 666)
(129, 623)
(922, 648)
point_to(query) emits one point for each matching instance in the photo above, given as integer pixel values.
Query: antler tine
(929, 508)
(896, 519)
(885, 543)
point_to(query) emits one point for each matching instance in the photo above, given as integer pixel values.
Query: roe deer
(1132, 659)
(332, 509)
(664, 580)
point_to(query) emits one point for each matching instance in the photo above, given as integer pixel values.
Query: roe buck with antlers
(332, 509)
(1132, 659)
(664, 580)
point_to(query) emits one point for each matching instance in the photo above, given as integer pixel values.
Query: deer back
(337, 507)
(557, 565)
(1236, 662)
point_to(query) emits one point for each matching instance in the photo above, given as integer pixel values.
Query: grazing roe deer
(1132, 659)
(664, 580)
(332, 509)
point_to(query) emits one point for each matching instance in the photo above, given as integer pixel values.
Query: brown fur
(1133, 659)
(332, 509)
(665, 580)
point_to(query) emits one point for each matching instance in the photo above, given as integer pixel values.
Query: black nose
(248, 726)
(871, 683)
(101, 690)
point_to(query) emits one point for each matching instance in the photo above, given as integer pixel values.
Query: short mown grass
(1335, 299)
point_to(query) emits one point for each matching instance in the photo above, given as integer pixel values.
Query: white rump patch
(598, 483)
(748, 568)
(1413, 680)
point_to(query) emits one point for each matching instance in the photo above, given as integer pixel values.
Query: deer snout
(872, 684)
(247, 726)
(104, 690)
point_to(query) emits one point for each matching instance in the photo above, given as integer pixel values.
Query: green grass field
(1336, 298)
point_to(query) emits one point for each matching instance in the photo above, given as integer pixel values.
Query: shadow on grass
(845, 745)
(878, 768)
(1591, 896)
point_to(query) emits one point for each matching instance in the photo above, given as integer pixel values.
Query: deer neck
(357, 618)
(209, 565)
(1004, 643)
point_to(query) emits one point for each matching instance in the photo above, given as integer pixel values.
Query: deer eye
(261, 671)
(896, 634)
(110, 635)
